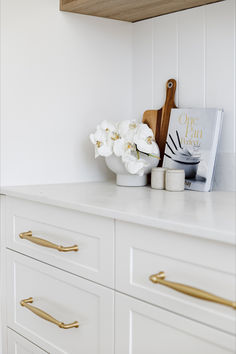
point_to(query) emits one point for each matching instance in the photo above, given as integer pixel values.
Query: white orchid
(111, 131)
(102, 145)
(123, 147)
(144, 139)
(108, 127)
(103, 138)
(134, 165)
(126, 139)
(127, 130)
(118, 147)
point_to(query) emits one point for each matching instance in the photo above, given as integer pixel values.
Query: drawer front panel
(93, 235)
(143, 328)
(17, 344)
(65, 297)
(142, 252)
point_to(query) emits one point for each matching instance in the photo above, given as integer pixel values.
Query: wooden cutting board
(158, 120)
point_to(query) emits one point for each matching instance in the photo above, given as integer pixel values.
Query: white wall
(197, 48)
(62, 74)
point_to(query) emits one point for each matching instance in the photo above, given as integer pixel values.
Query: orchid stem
(157, 157)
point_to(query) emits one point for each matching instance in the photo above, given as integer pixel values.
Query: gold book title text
(193, 134)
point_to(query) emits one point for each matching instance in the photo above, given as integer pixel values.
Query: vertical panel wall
(197, 48)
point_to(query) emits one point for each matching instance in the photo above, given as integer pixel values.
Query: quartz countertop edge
(200, 214)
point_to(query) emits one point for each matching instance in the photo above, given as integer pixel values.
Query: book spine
(217, 137)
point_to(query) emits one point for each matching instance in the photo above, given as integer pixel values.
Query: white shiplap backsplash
(55, 91)
(197, 48)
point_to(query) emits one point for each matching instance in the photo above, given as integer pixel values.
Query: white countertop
(208, 215)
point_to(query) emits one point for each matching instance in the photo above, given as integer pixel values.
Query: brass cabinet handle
(45, 315)
(159, 278)
(39, 241)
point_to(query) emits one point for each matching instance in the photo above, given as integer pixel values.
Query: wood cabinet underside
(129, 10)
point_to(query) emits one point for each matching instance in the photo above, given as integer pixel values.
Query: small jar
(175, 180)
(158, 178)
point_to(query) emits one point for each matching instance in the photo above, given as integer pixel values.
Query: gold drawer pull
(45, 315)
(188, 290)
(39, 241)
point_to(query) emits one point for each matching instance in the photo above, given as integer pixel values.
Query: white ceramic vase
(123, 177)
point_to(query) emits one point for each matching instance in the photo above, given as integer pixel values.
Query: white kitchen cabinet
(142, 252)
(19, 345)
(124, 236)
(143, 328)
(65, 297)
(93, 235)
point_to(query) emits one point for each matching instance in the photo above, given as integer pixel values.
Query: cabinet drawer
(197, 263)
(93, 235)
(17, 344)
(143, 328)
(65, 297)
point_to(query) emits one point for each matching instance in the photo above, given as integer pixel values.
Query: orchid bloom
(127, 130)
(107, 126)
(110, 130)
(101, 143)
(126, 139)
(122, 147)
(134, 165)
(144, 139)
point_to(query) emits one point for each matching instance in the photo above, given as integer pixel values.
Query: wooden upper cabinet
(129, 10)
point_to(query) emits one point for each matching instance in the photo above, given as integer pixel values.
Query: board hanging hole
(170, 84)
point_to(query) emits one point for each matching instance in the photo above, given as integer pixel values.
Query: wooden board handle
(163, 117)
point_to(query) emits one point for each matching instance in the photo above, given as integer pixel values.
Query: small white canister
(175, 180)
(158, 178)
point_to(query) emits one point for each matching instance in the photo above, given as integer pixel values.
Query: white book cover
(191, 145)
